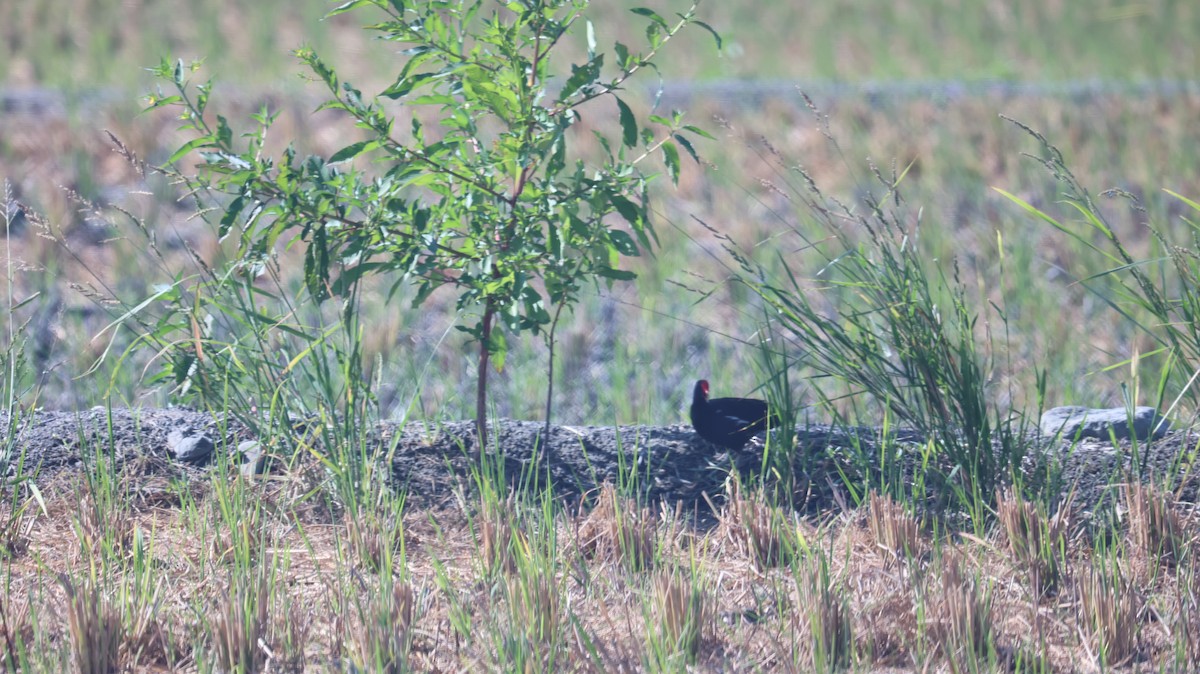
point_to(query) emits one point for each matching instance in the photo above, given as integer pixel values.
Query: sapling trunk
(550, 373)
(485, 337)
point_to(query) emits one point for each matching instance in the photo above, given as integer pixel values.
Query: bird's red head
(702, 385)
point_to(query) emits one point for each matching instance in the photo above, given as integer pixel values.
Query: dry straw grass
(1156, 526)
(1036, 542)
(15, 525)
(99, 522)
(758, 528)
(230, 540)
(842, 605)
(682, 610)
(377, 538)
(895, 531)
(240, 623)
(1186, 622)
(1110, 611)
(617, 529)
(498, 533)
(963, 626)
(536, 605)
(16, 626)
(95, 627)
(824, 604)
(383, 634)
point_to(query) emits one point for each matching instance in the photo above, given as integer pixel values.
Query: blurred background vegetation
(919, 85)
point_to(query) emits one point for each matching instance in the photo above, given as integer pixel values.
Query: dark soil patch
(674, 466)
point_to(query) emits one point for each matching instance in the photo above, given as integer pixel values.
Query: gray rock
(253, 458)
(189, 448)
(1084, 422)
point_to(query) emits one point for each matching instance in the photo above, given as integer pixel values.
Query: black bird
(729, 422)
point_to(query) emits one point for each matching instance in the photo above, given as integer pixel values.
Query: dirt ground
(674, 465)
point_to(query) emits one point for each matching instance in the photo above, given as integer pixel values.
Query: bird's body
(728, 422)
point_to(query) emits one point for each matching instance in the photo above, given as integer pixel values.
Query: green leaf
(671, 159)
(224, 133)
(480, 85)
(231, 213)
(617, 274)
(433, 99)
(202, 141)
(650, 14)
(628, 210)
(582, 76)
(623, 242)
(715, 34)
(622, 52)
(1195, 205)
(405, 85)
(353, 4)
(497, 347)
(352, 151)
(687, 146)
(154, 101)
(316, 266)
(698, 131)
(629, 126)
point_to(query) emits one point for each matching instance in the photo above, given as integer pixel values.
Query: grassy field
(88, 43)
(909, 132)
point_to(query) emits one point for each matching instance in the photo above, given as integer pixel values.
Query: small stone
(189, 448)
(1083, 422)
(253, 458)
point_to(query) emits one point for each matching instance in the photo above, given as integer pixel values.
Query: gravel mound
(674, 465)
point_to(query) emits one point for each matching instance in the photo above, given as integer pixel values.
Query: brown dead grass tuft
(95, 627)
(98, 522)
(1155, 524)
(240, 622)
(375, 538)
(825, 604)
(292, 634)
(1187, 612)
(896, 532)
(757, 527)
(498, 533)
(16, 628)
(231, 540)
(147, 639)
(962, 625)
(15, 525)
(1035, 541)
(536, 606)
(383, 634)
(683, 612)
(1109, 610)
(618, 529)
